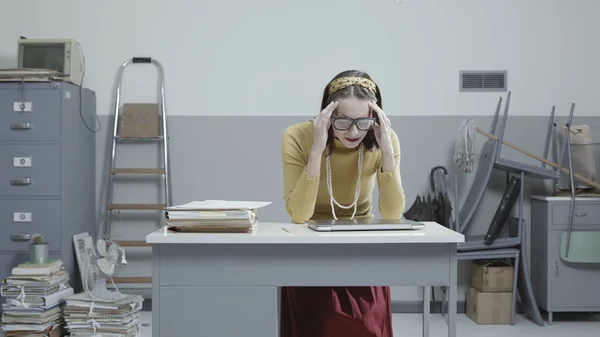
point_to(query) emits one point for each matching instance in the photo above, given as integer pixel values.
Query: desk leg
(452, 291)
(426, 309)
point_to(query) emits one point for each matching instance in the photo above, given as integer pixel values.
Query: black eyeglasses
(345, 123)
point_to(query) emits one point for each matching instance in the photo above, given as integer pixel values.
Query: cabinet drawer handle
(21, 126)
(20, 237)
(20, 181)
(580, 215)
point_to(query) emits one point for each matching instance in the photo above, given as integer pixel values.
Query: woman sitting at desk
(354, 138)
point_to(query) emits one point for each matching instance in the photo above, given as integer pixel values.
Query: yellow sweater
(307, 198)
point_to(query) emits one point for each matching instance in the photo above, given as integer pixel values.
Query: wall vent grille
(494, 80)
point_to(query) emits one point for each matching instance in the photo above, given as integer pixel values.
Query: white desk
(228, 284)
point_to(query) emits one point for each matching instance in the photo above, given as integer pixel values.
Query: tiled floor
(410, 325)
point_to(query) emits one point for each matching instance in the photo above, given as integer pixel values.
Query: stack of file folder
(214, 216)
(34, 300)
(115, 317)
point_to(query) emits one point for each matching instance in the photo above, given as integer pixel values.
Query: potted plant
(38, 250)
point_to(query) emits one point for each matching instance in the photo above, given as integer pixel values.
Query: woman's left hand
(383, 130)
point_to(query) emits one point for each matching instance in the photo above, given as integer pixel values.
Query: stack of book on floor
(214, 216)
(34, 300)
(87, 316)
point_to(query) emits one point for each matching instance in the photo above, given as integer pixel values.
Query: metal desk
(228, 284)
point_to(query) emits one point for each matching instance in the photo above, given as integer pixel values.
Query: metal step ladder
(118, 138)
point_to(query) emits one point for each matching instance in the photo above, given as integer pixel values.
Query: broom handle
(535, 156)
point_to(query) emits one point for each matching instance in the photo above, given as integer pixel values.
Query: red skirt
(336, 312)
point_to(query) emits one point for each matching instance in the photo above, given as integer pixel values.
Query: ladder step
(138, 171)
(132, 280)
(159, 207)
(139, 139)
(130, 243)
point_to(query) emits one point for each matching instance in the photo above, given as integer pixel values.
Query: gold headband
(343, 82)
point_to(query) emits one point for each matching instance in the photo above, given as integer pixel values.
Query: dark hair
(359, 92)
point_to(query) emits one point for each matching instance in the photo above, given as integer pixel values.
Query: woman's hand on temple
(321, 126)
(383, 130)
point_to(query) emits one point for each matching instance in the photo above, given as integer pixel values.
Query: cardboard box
(488, 308)
(492, 276)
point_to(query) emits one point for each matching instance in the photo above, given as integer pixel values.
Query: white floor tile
(410, 325)
(467, 328)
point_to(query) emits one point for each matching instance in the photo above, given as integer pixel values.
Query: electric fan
(103, 262)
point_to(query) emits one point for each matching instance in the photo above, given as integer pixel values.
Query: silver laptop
(363, 225)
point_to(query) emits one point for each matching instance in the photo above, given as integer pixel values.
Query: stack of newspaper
(34, 300)
(29, 74)
(214, 216)
(115, 317)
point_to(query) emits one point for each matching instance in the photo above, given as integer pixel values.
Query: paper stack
(117, 317)
(35, 300)
(214, 216)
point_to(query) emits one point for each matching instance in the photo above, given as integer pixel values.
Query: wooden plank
(159, 207)
(129, 280)
(130, 243)
(139, 139)
(139, 171)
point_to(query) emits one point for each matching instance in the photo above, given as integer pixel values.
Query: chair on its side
(513, 247)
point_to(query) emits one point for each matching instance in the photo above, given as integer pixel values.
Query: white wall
(273, 57)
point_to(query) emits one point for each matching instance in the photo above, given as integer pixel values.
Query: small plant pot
(39, 252)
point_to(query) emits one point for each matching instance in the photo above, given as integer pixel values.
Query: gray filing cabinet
(565, 282)
(47, 169)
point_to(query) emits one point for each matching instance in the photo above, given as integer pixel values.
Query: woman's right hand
(321, 127)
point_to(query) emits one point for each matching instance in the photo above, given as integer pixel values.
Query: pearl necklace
(356, 192)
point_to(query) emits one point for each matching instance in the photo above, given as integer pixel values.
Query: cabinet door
(224, 311)
(574, 285)
(586, 215)
(21, 219)
(30, 170)
(38, 120)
